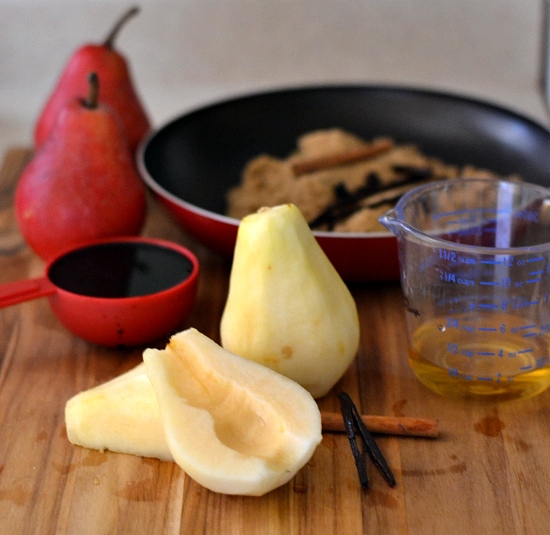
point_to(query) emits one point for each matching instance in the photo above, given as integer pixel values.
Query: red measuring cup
(116, 292)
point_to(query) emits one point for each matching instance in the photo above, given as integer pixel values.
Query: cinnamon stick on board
(355, 154)
(390, 425)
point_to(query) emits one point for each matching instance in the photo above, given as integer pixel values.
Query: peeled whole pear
(287, 307)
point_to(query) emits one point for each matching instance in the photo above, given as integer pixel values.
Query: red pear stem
(110, 40)
(93, 95)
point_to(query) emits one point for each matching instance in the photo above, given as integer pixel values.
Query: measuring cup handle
(16, 292)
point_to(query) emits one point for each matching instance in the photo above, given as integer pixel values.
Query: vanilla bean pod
(347, 202)
(413, 173)
(373, 451)
(349, 424)
(355, 426)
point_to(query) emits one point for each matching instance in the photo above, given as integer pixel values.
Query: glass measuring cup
(474, 258)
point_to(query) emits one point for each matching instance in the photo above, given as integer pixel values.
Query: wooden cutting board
(488, 471)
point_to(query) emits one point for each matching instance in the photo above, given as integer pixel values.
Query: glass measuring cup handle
(12, 293)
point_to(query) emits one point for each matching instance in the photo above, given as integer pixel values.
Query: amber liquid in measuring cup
(437, 356)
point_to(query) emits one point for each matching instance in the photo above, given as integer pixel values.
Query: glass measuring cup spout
(474, 258)
(394, 224)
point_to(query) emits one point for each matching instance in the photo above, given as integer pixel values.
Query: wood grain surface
(487, 473)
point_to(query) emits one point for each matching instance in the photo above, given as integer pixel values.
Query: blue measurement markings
(536, 276)
(460, 215)
(454, 372)
(453, 258)
(532, 277)
(510, 260)
(467, 215)
(516, 303)
(526, 330)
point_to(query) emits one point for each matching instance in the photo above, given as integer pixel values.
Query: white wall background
(190, 52)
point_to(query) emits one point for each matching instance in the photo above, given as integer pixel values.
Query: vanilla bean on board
(360, 464)
(355, 426)
(371, 447)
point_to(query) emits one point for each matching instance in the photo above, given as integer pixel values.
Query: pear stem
(93, 94)
(110, 40)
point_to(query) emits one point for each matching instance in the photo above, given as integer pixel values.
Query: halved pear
(233, 425)
(287, 307)
(121, 415)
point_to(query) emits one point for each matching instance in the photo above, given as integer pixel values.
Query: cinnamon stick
(332, 422)
(352, 155)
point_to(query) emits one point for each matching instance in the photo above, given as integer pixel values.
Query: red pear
(117, 87)
(82, 184)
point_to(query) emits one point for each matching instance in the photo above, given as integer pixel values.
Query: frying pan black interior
(198, 156)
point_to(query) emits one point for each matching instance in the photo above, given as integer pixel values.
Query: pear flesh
(234, 426)
(121, 415)
(287, 306)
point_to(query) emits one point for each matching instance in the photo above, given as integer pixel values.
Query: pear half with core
(287, 306)
(234, 426)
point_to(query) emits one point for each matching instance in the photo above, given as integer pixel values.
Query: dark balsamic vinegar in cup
(120, 269)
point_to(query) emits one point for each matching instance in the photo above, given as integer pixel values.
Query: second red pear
(82, 184)
(117, 87)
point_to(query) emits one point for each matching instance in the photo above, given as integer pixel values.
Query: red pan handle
(16, 292)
